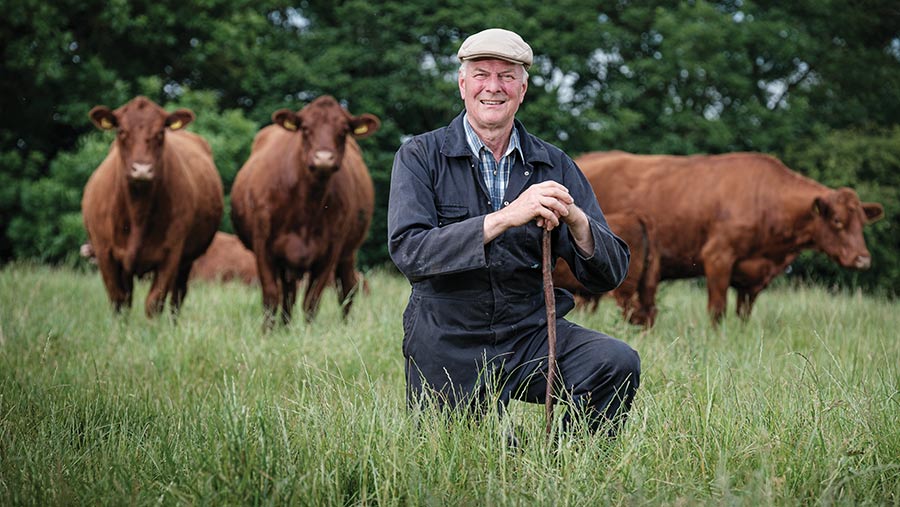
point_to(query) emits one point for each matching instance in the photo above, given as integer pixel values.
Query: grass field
(800, 405)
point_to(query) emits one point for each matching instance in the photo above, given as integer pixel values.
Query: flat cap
(496, 43)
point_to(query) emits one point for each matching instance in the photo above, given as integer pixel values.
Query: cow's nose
(142, 171)
(863, 262)
(323, 159)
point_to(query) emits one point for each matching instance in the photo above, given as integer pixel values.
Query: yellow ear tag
(288, 124)
(106, 124)
(176, 125)
(362, 129)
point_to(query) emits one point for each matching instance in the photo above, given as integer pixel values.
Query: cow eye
(160, 135)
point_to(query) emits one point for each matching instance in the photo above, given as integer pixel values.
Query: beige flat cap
(496, 43)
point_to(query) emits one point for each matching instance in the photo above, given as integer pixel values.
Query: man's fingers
(558, 207)
(555, 190)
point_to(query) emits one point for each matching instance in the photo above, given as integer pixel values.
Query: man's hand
(547, 203)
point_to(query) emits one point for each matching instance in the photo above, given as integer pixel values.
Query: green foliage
(16, 169)
(870, 164)
(48, 226)
(646, 77)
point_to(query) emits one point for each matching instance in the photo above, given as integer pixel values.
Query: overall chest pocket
(451, 213)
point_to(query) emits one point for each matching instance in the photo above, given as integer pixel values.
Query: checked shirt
(496, 175)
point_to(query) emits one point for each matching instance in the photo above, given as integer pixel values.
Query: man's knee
(627, 363)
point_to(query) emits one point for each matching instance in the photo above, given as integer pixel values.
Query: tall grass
(799, 405)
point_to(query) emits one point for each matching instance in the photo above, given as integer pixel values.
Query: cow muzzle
(324, 160)
(141, 172)
(862, 262)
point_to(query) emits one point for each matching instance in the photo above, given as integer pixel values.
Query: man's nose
(493, 82)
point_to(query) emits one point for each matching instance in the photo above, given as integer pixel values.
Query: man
(467, 207)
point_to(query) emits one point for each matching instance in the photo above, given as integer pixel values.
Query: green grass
(799, 405)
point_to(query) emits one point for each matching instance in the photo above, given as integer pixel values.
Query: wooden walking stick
(550, 302)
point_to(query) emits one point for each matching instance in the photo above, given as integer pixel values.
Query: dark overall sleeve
(605, 268)
(421, 242)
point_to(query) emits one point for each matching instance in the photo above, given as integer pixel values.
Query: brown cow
(738, 219)
(303, 202)
(153, 205)
(636, 295)
(226, 259)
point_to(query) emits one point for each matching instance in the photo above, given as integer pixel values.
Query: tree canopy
(791, 79)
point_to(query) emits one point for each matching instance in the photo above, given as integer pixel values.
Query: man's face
(492, 90)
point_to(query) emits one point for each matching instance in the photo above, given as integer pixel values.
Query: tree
(649, 77)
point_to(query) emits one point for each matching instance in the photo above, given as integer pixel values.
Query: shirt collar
(476, 144)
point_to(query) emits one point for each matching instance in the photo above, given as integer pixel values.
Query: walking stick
(550, 302)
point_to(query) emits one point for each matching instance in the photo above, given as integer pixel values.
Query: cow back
(226, 259)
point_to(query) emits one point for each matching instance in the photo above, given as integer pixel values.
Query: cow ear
(287, 119)
(180, 119)
(103, 118)
(874, 211)
(364, 125)
(821, 207)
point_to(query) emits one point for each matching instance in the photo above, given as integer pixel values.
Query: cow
(153, 205)
(636, 295)
(303, 203)
(739, 219)
(226, 259)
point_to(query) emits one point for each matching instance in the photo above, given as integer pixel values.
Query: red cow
(636, 295)
(226, 259)
(303, 203)
(738, 219)
(153, 205)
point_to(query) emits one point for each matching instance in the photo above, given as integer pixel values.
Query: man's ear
(180, 119)
(103, 118)
(364, 125)
(287, 119)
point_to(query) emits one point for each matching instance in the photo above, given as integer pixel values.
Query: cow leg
(180, 290)
(288, 294)
(270, 291)
(718, 262)
(164, 282)
(627, 303)
(745, 299)
(647, 286)
(318, 280)
(159, 290)
(118, 291)
(265, 267)
(349, 280)
(624, 295)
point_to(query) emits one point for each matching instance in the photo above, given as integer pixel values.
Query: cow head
(324, 126)
(840, 217)
(140, 134)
